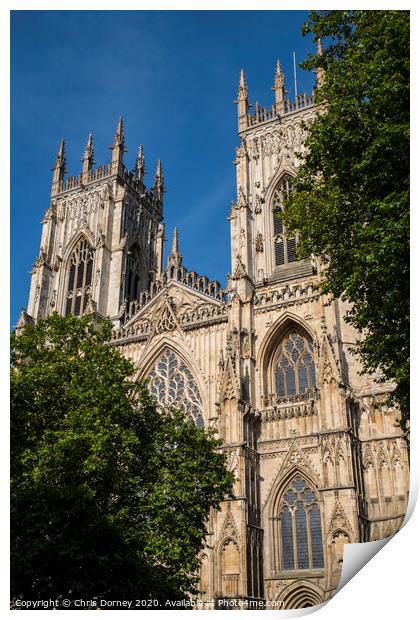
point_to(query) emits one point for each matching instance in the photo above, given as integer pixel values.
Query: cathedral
(318, 459)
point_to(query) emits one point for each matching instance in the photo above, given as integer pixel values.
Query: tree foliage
(351, 204)
(109, 496)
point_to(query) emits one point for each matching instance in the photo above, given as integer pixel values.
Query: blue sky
(173, 77)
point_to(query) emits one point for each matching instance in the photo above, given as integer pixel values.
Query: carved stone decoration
(230, 390)
(258, 207)
(242, 201)
(83, 205)
(61, 210)
(246, 344)
(229, 529)
(233, 462)
(166, 322)
(240, 271)
(241, 151)
(339, 520)
(259, 243)
(255, 149)
(329, 370)
(57, 262)
(327, 375)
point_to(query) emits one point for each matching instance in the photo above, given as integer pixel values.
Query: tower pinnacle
(59, 169)
(242, 88)
(175, 242)
(279, 89)
(118, 147)
(159, 186)
(140, 169)
(175, 257)
(87, 161)
(242, 101)
(119, 133)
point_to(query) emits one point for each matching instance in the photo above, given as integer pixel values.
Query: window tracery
(284, 243)
(79, 286)
(171, 383)
(294, 366)
(300, 525)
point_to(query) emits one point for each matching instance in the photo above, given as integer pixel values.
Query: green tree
(109, 496)
(351, 199)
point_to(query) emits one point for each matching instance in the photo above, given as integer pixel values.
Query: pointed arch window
(172, 385)
(284, 243)
(79, 284)
(300, 527)
(133, 272)
(294, 366)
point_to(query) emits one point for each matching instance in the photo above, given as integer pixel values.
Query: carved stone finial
(140, 169)
(159, 186)
(278, 77)
(87, 161)
(242, 88)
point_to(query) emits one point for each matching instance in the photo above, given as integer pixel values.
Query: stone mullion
(76, 271)
(308, 528)
(277, 544)
(82, 298)
(295, 554)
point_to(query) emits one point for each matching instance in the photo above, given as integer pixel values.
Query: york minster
(266, 361)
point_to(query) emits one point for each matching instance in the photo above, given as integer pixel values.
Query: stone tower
(267, 362)
(102, 236)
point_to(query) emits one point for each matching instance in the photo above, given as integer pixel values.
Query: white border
(387, 586)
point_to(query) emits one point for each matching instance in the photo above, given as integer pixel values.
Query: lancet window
(300, 527)
(284, 243)
(133, 270)
(79, 283)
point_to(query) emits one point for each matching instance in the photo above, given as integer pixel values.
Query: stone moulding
(287, 411)
(284, 296)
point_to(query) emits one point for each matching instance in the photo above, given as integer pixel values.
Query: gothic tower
(102, 236)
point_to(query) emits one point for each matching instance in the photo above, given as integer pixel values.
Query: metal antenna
(294, 74)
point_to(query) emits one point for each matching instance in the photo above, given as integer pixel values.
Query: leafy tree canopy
(109, 496)
(351, 204)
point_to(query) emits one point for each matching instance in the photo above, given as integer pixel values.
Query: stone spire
(242, 88)
(159, 186)
(242, 101)
(175, 242)
(320, 71)
(279, 89)
(175, 257)
(59, 169)
(140, 169)
(87, 161)
(118, 147)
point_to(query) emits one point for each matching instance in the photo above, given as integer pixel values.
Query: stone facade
(267, 362)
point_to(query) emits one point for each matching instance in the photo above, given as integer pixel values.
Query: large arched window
(284, 243)
(294, 367)
(133, 271)
(79, 286)
(172, 384)
(300, 527)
